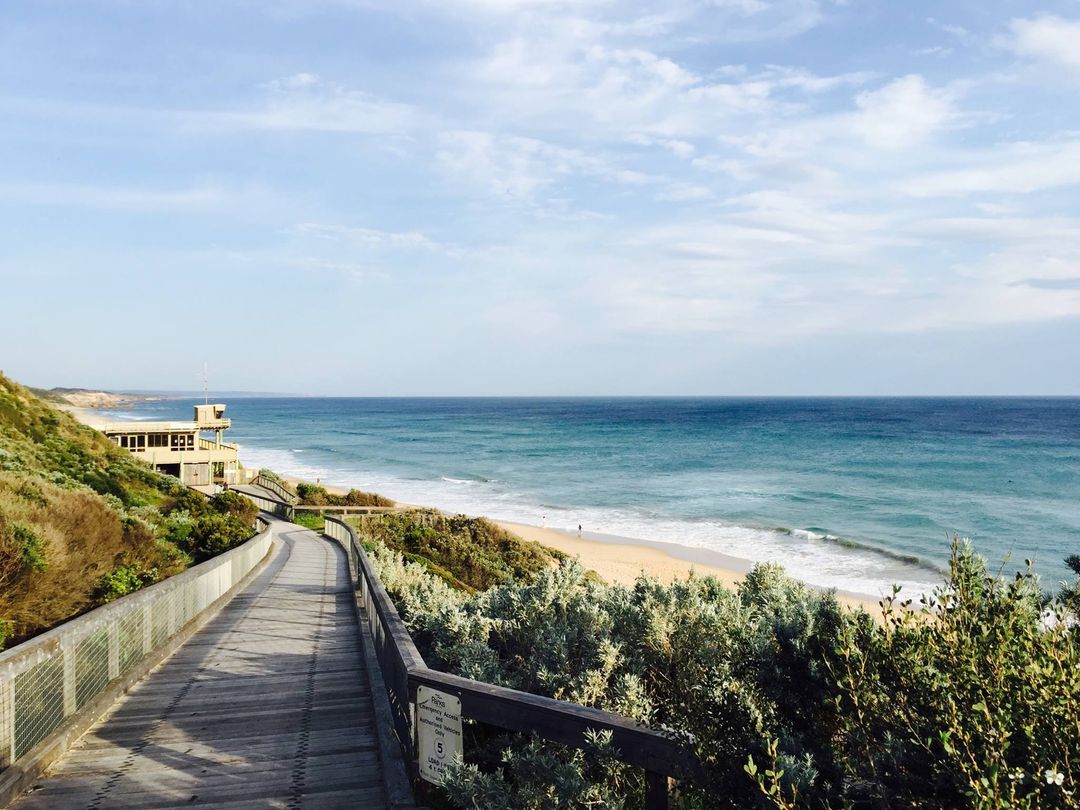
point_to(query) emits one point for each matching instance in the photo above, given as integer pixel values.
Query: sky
(541, 197)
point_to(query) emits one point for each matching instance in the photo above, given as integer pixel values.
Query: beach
(623, 559)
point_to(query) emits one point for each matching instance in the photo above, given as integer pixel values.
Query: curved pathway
(268, 705)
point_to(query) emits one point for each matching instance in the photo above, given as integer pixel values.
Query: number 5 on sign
(438, 731)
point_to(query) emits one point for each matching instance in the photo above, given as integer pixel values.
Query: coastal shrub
(545, 777)
(973, 701)
(215, 533)
(718, 666)
(21, 550)
(785, 698)
(28, 547)
(271, 475)
(235, 505)
(355, 497)
(123, 580)
(474, 552)
(312, 495)
(1069, 595)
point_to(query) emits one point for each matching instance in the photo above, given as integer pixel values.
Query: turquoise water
(851, 493)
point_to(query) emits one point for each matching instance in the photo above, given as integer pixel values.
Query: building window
(157, 440)
(183, 441)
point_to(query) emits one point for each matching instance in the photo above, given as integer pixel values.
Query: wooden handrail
(561, 721)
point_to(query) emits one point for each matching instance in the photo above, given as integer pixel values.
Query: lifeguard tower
(179, 449)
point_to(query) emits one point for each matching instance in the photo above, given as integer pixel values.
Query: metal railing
(403, 670)
(277, 488)
(47, 682)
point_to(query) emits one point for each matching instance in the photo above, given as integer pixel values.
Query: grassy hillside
(82, 521)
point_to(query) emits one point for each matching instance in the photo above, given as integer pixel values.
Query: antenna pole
(205, 385)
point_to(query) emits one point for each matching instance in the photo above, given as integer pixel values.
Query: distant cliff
(88, 398)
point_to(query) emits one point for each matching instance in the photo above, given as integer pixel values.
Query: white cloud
(1021, 168)
(137, 200)
(903, 113)
(677, 147)
(369, 237)
(1051, 232)
(305, 102)
(962, 34)
(685, 192)
(1048, 39)
(566, 76)
(295, 82)
(518, 168)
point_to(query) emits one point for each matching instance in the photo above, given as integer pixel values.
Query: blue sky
(541, 197)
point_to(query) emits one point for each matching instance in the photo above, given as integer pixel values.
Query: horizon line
(304, 395)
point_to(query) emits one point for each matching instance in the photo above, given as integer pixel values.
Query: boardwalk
(269, 705)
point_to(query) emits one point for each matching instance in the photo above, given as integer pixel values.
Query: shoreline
(87, 416)
(615, 558)
(622, 559)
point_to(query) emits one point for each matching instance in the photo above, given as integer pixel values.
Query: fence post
(657, 790)
(114, 648)
(67, 650)
(7, 720)
(148, 627)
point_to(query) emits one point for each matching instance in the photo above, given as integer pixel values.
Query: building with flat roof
(179, 449)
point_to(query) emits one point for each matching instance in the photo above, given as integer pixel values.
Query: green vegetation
(122, 581)
(311, 495)
(265, 472)
(470, 554)
(786, 698)
(309, 520)
(83, 522)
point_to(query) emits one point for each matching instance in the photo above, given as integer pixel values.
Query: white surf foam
(806, 555)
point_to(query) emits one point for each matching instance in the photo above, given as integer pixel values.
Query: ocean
(852, 493)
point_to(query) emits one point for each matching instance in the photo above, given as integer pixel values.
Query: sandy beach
(87, 416)
(622, 560)
(619, 559)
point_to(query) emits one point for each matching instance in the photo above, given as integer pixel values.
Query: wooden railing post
(657, 791)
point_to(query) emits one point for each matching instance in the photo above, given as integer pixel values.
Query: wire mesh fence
(47, 680)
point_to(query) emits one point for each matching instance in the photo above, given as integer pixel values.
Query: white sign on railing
(438, 729)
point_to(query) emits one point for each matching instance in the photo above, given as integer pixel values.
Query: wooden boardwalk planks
(269, 705)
